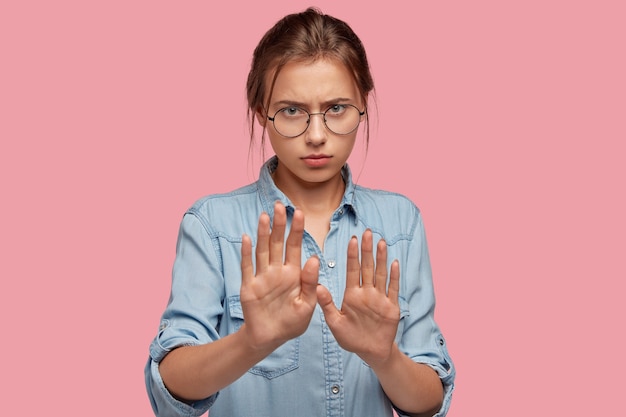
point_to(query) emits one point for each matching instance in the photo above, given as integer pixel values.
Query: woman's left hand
(369, 316)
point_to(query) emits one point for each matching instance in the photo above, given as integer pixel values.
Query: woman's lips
(316, 161)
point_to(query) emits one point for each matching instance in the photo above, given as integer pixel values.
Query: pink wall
(504, 123)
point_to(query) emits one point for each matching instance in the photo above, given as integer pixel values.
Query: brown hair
(305, 36)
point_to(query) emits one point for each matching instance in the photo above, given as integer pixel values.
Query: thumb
(308, 279)
(325, 300)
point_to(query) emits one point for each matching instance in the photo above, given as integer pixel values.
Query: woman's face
(318, 154)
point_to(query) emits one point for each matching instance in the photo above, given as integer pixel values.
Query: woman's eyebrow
(326, 103)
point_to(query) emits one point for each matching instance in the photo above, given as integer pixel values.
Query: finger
(310, 274)
(247, 270)
(381, 266)
(325, 300)
(277, 236)
(262, 243)
(394, 282)
(353, 269)
(294, 240)
(367, 259)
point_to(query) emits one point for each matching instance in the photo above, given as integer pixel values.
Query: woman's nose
(316, 133)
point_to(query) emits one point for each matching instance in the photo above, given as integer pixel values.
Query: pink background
(504, 121)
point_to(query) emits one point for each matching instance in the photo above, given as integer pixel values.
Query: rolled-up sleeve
(422, 339)
(163, 403)
(192, 314)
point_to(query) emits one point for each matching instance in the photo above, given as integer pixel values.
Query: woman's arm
(278, 300)
(370, 308)
(193, 373)
(413, 387)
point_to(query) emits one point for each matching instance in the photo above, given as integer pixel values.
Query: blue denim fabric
(310, 375)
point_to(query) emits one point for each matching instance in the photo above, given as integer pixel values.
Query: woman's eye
(336, 109)
(291, 111)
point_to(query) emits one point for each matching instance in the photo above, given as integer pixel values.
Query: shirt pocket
(284, 359)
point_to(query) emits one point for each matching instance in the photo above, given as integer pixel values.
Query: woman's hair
(307, 37)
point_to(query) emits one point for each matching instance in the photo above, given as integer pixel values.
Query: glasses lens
(291, 121)
(342, 118)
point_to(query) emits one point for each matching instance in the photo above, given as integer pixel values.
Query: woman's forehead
(314, 82)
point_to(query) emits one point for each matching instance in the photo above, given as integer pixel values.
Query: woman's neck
(314, 199)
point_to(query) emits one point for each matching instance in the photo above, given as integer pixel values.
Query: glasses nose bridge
(322, 113)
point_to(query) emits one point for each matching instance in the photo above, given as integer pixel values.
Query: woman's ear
(261, 117)
(363, 105)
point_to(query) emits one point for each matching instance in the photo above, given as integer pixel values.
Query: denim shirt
(310, 375)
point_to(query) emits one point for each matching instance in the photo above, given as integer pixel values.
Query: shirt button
(340, 211)
(331, 264)
(335, 389)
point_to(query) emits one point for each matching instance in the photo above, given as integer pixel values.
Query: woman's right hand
(278, 299)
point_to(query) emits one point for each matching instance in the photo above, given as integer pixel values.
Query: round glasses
(341, 119)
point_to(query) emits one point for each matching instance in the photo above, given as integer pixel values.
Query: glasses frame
(308, 122)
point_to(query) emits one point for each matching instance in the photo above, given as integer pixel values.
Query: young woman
(302, 294)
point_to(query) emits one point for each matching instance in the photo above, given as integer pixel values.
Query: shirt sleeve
(192, 314)
(422, 339)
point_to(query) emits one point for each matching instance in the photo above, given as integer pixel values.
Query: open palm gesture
(368, 319)
(278, 299)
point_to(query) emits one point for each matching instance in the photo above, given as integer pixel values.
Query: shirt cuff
(164, 404)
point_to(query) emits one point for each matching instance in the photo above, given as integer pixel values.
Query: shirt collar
(269, 193)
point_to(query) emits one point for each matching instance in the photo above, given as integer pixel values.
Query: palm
(369, 315)
(278, 300)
